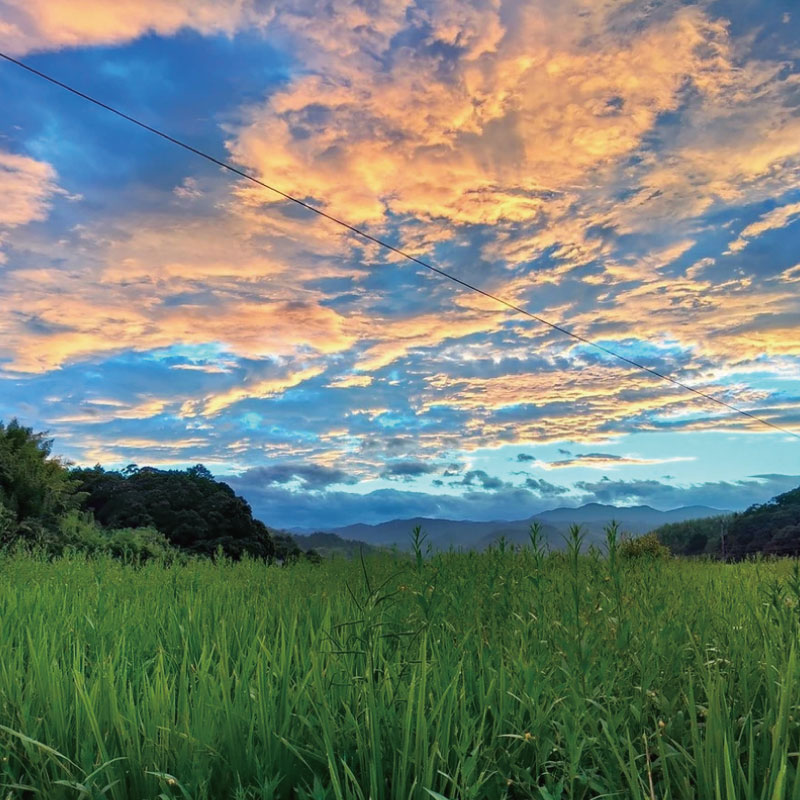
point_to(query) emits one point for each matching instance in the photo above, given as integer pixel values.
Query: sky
(628, 169)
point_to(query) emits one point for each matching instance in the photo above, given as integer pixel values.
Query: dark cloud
(311, 476)
(525, 457)
(280, 507)
(580, 459)
(478, 477)
(283, 507)
(407, 470)
(734, 495)
(453, 469)
(544, 488)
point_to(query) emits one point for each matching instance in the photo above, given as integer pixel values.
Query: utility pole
(722, 540)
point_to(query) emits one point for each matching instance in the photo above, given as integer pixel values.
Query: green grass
(494, 675)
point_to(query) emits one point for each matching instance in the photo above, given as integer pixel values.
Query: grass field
(501, 674)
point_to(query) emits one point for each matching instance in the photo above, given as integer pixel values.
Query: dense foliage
(646, 546)
(134, 514)
(36, 489)
(694, 537)
(772, 527)
(477, 676)
(196, 513)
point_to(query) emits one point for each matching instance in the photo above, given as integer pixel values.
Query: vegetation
(35, 488)
(772, 527)
(135, 514)
(647, 546)
(331, 545)
(194, 512)
(694, 537)
(503, 674)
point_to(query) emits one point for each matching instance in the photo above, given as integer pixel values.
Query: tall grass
(496, 675)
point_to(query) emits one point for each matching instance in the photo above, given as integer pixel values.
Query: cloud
(717, 494)
(407, 470)
(544, 488)
(282, 507)
(41, 25)
(311, 477)
(27, 187)
(478, 477)
(592, 162)
(523, 457)
(258, 389)
(773, 220)
(606, 460)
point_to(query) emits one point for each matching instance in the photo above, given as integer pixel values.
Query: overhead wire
(360, 232)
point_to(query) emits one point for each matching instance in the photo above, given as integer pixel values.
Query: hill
(329, 544)
(772, 527)
(469, 534)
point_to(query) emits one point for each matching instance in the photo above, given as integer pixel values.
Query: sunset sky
(630, 170)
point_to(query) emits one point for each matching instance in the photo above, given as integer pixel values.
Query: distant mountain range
(593, 517)
(329, 544)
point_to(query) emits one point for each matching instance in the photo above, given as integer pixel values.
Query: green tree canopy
(772, 527)
(35, 487)
(195, 512)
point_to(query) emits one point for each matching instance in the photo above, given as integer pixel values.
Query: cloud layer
(629, 170)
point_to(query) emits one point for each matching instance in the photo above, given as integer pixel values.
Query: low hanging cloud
(311, 477)
(480, 478)
(407, 470)
(605, 460)
(719, 494)
(282, 507)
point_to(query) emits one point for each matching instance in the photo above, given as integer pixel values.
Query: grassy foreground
(494, 675)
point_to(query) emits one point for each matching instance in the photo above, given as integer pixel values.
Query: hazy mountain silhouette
(593, 517)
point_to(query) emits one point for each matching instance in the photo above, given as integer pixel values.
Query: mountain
(593, 517)
(329, 544)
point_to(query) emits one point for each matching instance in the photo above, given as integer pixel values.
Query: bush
(8, 524)
(139, 545)
(647, 546)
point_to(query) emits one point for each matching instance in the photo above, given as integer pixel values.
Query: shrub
(647, 546)
(139, 545)
(8, 524)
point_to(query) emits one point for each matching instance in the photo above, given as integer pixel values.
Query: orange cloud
(526, 114)
(258, 389)
(43, 25)
(773, 220)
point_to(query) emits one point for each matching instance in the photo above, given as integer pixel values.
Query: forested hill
(771, 528)
(133, 513)
(196, 513)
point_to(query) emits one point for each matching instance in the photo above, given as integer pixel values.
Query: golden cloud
(773, 220)
(44, 25)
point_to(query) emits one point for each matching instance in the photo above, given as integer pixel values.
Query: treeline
(136, 513)
(772, 528)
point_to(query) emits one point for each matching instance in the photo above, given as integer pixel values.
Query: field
(495, 675)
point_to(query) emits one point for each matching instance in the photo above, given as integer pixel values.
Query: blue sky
(628, 169)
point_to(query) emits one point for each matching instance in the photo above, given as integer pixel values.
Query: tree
(195, 512)
(35, 488)
(772, 527)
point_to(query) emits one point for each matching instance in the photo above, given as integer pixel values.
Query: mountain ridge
(472, 534)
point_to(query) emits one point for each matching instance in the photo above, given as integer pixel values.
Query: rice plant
(504, 674)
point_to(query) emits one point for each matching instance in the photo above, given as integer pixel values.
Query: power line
(369, 237)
